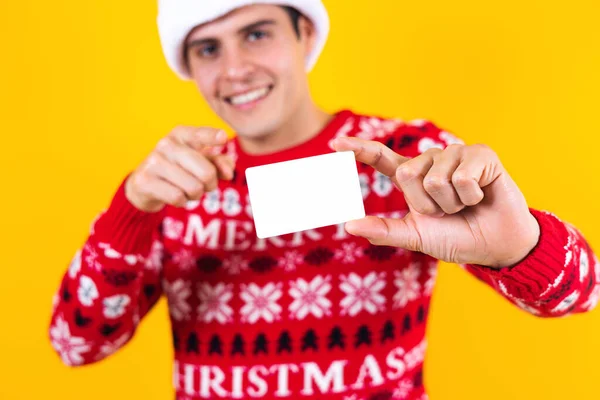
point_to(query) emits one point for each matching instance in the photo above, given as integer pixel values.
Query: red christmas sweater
(312, 315)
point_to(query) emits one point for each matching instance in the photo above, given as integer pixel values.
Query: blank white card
(306, 193)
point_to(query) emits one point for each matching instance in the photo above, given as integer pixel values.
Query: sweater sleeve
(111, 283)
(560, 276)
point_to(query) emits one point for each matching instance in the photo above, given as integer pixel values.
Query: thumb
(386, 232)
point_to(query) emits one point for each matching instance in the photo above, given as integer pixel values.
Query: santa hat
(177, 18)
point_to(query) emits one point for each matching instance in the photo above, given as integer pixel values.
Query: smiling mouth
(249, 97)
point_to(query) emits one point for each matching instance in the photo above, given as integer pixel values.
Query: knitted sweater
(311, 315)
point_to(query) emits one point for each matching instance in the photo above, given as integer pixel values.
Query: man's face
(250, 67)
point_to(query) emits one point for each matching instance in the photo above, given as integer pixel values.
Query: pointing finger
(373, 153)
(198, 138)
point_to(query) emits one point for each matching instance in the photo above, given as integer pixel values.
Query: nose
(235, 65)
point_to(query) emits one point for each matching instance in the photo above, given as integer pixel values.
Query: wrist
(530, 240)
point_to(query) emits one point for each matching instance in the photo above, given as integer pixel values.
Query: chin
(256, 125)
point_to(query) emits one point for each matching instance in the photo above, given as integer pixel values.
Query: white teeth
(248, 97)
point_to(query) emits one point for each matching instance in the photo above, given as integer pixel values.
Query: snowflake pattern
(309, 298)
(109, 348)
(382, 185)
(185, 259)
(75, 265)
(91, 258)
(212, 201)
(172, 228)
(231, 202)
(260, 302)
(69, 347)
(407, 282)
(154, 259)
(348, 253)
(87, 291)
(403, 390)
(362, 293)
(373, 128)
(290, 260)
(177, 294)
(114, 306)
(235, 264)
(214, 303)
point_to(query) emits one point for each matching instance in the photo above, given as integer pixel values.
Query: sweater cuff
(126, 228)
(534, 276)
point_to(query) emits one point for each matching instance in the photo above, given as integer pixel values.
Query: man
(337, 312)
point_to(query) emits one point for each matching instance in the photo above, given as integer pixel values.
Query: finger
(410, 177)
(177, 176)
(225, 166)
(438, 181)
(198, 138)
(478, 169)
(386, 232)
(166, 192)
(190, 160)
(373, 153)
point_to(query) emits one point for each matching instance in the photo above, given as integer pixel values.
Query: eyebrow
(245, 29)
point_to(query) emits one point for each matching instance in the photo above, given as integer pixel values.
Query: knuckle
(461, 180)
(432, 152)
(406, 172)
(482, 148)
(474, 198)
(164, 145)
(454, 147)
(435, 183)
(178, 130)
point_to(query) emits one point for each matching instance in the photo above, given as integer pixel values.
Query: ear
(308, 34)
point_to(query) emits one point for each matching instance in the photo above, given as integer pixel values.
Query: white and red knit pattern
(309, 315)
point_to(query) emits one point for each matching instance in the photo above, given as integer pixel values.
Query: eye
(256, 35)
(207, 51)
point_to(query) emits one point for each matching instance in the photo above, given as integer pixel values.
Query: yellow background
(85, 94)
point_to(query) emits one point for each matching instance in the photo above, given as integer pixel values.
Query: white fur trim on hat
(177, 18)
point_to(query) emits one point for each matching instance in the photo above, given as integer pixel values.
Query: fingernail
(331, 144)
(221, 136)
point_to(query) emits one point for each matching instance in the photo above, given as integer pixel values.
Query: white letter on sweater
(335, 373)
(394, 360)
(283, 378)
(237, 381)
(210, 234)
(369, 367)
(260, 383)
(233, 235)
(207, 382)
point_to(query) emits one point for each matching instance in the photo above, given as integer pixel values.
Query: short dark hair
(294, 17)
